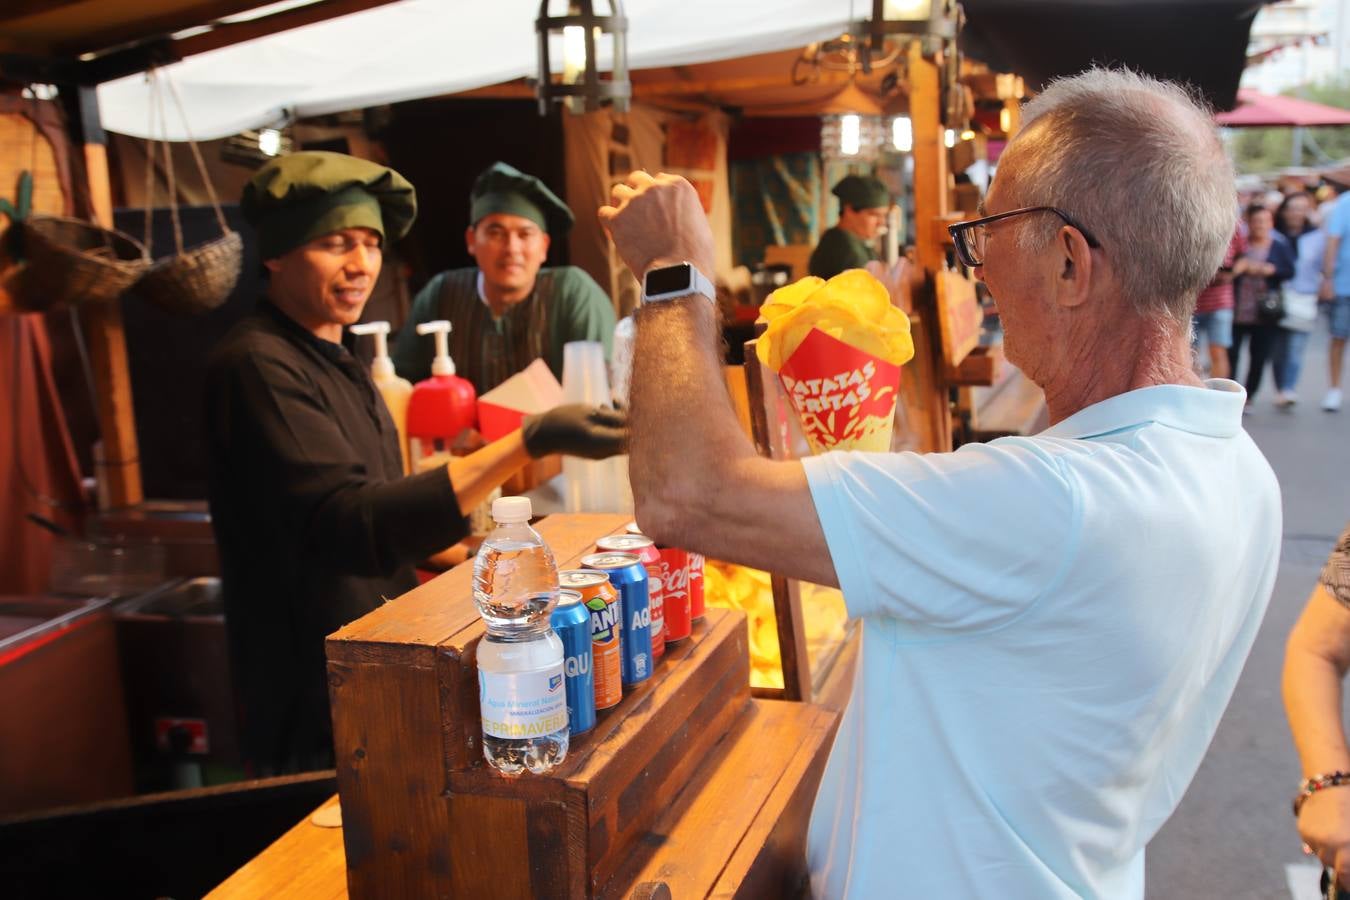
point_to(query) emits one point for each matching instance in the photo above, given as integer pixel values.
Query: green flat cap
(506, 189)
(862, 192)
(301, 196)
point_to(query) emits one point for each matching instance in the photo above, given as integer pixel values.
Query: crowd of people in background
(1286, 266)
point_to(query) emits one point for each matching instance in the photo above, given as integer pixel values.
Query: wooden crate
(738, 830)
(424, 816)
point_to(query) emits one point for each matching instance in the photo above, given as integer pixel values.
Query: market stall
(702, 781)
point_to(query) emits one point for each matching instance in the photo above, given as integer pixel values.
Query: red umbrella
(1255, 109)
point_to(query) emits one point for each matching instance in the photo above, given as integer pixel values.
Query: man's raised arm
(697, 481)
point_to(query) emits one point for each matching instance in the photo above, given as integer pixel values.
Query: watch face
(669, 279)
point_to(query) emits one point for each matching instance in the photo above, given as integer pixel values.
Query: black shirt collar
(336, 353)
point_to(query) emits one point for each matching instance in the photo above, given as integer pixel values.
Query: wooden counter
(688, 783)
(734, 833)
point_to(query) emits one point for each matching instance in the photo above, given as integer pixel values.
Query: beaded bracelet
(1316, 783)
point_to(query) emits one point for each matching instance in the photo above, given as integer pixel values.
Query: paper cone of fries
(837, 347)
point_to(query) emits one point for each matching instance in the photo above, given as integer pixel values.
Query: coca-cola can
(682, 581)
(645, 549)
(696, 587)
(675, 572)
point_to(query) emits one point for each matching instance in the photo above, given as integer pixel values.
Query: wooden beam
(22, 9)
(931, 196)
(237, 33)
(117, 465)
(728, 85)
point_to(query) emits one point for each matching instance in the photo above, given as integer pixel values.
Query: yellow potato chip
(857, 287)
(853, 307)
(789, 297)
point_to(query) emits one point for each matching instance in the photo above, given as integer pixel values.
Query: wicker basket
(196, 280)
(73, 261)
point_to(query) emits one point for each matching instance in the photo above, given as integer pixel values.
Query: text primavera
(538, 728)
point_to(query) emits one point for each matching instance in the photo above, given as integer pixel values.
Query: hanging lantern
(575, 37)
(938, 18)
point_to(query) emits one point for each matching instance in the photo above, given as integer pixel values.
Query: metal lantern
(572, 43)
(938, 18)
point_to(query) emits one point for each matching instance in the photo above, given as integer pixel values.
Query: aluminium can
(602, 602)
(645, 548)
(572, 623)
(629, 577)
(696, 611)
(681, 588)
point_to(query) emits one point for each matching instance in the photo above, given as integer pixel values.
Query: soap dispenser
(396, 391)
(443, 405)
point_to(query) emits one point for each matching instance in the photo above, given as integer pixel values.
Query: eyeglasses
(970, 237)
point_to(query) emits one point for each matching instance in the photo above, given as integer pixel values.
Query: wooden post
(117, 465)
(931, 197)
(1013, 107)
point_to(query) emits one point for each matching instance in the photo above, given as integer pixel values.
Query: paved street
(1233, 835)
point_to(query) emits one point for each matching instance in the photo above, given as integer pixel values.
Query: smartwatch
(669, 282)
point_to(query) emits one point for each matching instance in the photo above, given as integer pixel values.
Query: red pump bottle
(441, 406)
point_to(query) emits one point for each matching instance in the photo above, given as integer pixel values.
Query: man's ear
(469, 240)
(547, 242)
(272, 265)
(1074, 281)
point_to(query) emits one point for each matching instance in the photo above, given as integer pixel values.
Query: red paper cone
(844, 397)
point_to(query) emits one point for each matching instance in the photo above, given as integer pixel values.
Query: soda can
(681, 589)
(675, 579)
(696, 587)
(602, 601)
(626, 572)
(645, 548)
(571, 620)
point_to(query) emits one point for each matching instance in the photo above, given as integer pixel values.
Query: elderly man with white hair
(1051, 625)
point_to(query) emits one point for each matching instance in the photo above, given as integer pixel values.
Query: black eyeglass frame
(966, 254)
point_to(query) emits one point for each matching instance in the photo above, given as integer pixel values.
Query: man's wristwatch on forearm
(681, 280)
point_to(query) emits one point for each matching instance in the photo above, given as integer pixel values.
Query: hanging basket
(73, 261)
(201, 278)
(196, 280)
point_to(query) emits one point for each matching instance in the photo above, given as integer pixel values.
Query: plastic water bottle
(521, 688)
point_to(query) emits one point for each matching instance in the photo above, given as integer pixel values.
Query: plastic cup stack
(592, 485)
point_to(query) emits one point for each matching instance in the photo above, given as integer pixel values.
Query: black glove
(577, 429)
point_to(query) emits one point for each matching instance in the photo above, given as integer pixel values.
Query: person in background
(1335, 287)
(1051, 625)
(508, 310)
(1213, 319)
(1316, 658)
(864, 202)
(315, 522)
(1294, 220)
(1267, 263)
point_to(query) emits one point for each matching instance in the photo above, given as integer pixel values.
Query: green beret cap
(302, 196)
(862, 192)
(506, 189)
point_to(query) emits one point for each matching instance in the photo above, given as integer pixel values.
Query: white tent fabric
(424, 48)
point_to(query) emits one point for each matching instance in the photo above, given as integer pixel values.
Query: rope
(168, 171)
(150, 158)
(197, 155)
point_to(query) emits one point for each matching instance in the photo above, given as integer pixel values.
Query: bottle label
(523, 704)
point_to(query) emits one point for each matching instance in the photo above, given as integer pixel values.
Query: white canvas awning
(424, 48)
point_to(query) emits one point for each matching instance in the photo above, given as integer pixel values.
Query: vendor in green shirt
(507, 311)
(863, 204)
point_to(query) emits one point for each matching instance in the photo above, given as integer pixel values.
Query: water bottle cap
(508, 510)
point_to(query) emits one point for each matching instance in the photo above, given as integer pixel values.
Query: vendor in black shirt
(315, 521)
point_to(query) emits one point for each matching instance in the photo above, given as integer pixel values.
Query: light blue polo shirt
(1338, 225)
(1051, 629)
